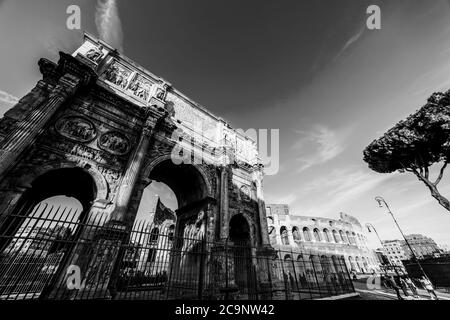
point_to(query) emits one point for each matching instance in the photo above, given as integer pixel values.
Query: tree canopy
(416, 143)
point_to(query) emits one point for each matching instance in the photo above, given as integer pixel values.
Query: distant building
(398, 250)
(317, 236)
(35, 240)
(445, 248)
(394, 249)
(421, 245)
(382, 256)
(157, 241)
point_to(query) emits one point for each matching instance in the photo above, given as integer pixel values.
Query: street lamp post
(382, 202)
(368, 226)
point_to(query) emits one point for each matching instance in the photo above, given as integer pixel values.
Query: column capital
(101, 203)
(70, 65)
(153, 115)
(67, 64)
(66, 87)
(49, 70)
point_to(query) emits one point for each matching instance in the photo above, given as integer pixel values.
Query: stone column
(27, 131)
(277, 228)
(143, 182)
(224, 210)
(261, 207)
(29, 102)
(290, 237)
(134, 166)
(265, 270)
(68, 76)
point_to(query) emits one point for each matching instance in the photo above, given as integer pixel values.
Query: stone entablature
(318, 235)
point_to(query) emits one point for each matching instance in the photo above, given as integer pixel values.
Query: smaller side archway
(353, 265)
(349, 237)
(342, 235)
(327, 235)
(240, 237)
(306, 234)
(316, 233)
(354, 238)
(335, 236)
(296, 234)
(284, 235)
(53, 213)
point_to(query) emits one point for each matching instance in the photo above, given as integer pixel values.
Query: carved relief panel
(114, 142)
(140, 87)
(245, 193)
(92, 51)
(76, 128)
(132, 82)
(117, 74)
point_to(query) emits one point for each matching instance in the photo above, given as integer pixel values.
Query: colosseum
(316, 236)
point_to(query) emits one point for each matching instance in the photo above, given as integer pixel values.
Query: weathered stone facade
(100, 128)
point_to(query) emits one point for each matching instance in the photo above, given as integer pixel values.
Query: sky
(308, 68)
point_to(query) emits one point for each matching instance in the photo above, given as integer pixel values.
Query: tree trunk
(443, 201)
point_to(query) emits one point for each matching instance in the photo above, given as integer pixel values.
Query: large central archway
(190, 186)
(186, 181)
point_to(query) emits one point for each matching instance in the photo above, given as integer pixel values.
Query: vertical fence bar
(311, 257)
(202, 268)
(283, 274)
(227, 293)
(350, 279)
(295, 274)
(269, 275)
(306, 275)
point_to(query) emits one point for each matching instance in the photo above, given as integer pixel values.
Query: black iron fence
(437, 269)
(55, 253)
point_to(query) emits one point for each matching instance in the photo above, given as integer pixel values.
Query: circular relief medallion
(246, 193)
(114, 142)
(76, 128)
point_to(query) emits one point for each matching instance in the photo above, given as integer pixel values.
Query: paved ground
(373, 292)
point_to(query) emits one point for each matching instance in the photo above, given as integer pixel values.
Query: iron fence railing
(59, 253)
(436, 269)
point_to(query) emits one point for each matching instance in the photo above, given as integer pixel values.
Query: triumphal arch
(100, 128)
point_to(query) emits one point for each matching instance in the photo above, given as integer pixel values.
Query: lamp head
(380, 201)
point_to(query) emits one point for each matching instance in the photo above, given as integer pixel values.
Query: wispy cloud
(339, 187)
(289, 198)
(61, 40)
(350, 41)
(7, 98)
(434, 80)
(108, 23)
(320, 145)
